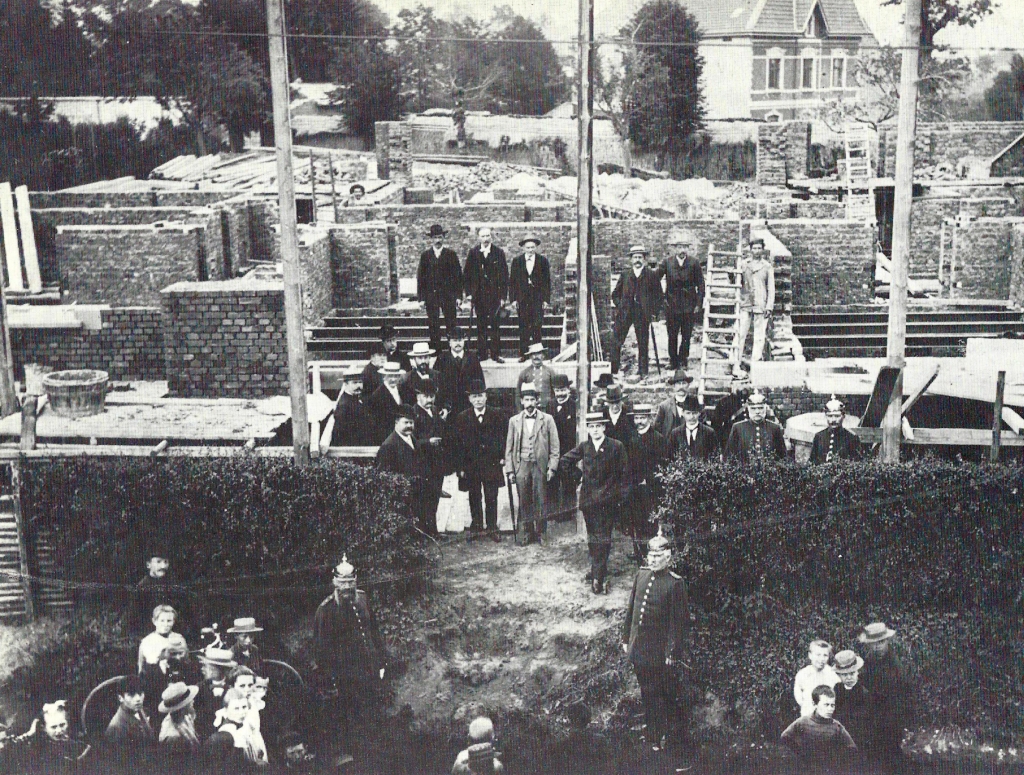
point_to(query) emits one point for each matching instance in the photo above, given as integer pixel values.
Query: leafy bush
(238, 527)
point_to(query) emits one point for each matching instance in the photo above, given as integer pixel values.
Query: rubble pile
(447, 178)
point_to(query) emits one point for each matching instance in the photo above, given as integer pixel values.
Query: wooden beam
(1014, 420)
(584, 214)
(908, 430)
(951, 437)
(997, 417)
(163, 445)
(19, 521)
(11, 453)
(916, 395)
(28, 422)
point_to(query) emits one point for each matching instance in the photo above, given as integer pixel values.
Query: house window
(775, 73)
(838, 72)
(807, 74)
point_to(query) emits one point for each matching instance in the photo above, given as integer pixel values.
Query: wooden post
(312, 181)
(19, 522)
(585, 124)
(997, 418)
(289, 235)
(8, 397)
(29, 413)
(334, 190)
(896, 345)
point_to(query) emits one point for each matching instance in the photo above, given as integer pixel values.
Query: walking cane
(654, 341)
(512, 509)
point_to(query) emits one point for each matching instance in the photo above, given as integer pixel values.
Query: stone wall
(225, 339)
(948, 143)
(43, 200)
(790, 401)
(393, 143)
(926, 215)
(128, 265)
(614, 238)
(129, 345)
(783, 152)
(362, 271)
(1017, 264)
(316, 269)
(833, 261)
(985, 258)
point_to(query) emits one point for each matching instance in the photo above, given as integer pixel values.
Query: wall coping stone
(166, 226)
(241, 285)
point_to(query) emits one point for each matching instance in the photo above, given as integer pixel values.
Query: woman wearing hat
(245, 652)
(178, 735)
(529, 289)
(439, 284)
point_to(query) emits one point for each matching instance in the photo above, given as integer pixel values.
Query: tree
(532, 81)
(653, 94)
(1005, 98)
(936, 15)
(369, 87)
(43, 55)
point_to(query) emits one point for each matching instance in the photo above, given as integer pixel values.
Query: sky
(1004, 28)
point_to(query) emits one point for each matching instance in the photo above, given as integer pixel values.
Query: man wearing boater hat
(604, 489)
(439, 284)
(350, 658)
(479, 438)
(420, 374)
(530, 290)
(531, 459)
(853, 706)
(655, 637)
(756, 437)
(385, 401)
(215, 664)
(637, 297)
(834, 442)
(245, 651)
(694, 440)
(353, 426)
(886, 683)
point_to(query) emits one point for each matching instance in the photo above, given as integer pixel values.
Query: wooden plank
(953, 437)
(22, 540)
(915, 396)
(997, 418)
(1014, 420)
(880, 396)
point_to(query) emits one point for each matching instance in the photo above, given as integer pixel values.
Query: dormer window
(816, 24)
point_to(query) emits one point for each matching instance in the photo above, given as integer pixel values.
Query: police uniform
(749, 440)
(834, 443)
(656, 628)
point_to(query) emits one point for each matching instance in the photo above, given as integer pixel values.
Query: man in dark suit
(393, 351)
(605, 487)
(420, 373)
(654, 638)
(486, 280)
(684, 295)
(431, 434)
(694, 440)
(400, 454)
(834, 442)
(563, 410)
(756, 437)
(649, 450)
(384, 403)
(439, 284)
(455, 369)
(620, 419)
(530, 290)
(479, 436)
(371, 372)
(637, 297)
(670, 411)
(353, 426)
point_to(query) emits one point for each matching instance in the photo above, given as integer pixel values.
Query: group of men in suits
(441, 282)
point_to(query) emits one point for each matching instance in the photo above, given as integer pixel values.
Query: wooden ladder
(860, 202)
(720, 345)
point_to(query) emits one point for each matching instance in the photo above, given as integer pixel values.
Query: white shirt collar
(638, 272)
(599, 444)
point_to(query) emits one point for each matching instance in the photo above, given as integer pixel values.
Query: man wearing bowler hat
(479, 437)
(385, 401)
(350, 657)
(531, 459)
(400, 454)
(353, 426)
(887, 685)
(694, 439)
(620, 424)
(670, 411)
(637, 297)
(245, 651)
(439, 284)
(563, 411)
(649, 450)
(393, 351)
(684, 294)
(486, 277)
(431, 435)
(454, 370)
(530, 290)
(655, 637)
(604, 489)
(756, 437)
(834, 442)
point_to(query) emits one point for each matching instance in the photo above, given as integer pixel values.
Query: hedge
(236, 527)
(930, 534)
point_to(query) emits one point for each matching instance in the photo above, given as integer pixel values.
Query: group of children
(846, 716)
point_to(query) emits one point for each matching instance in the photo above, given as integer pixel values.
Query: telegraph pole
(906, 135)
(585, 122)
(289, 234)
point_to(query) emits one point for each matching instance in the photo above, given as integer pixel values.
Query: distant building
(777, 58)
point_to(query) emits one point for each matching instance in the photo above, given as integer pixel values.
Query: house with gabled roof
(778, 58)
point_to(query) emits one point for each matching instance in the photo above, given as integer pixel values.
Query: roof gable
(775, 17)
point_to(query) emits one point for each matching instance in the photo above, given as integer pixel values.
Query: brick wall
(43, 200)
(129, 345)
(127, 265)
(1017, 264)
(315, 262)
(225, 339)
(950, 142)
(832, 260)
(926, 217)
(783, 152)
(614, 238)
(393, 147)
(791, 401)
(361, 266)
(985, 258)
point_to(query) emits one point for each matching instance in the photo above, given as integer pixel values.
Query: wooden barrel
(76, 393)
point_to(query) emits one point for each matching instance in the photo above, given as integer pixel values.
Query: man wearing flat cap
(637, 297)
(479, 436)
(756, 437)
(486, 277)
(439, 284)
(353, 426)
(349, 653)
(757, 298)
(530, 290)
(655, 638)
(454, 370)
(385, 401)
(605, 487)
(684, 294)
(834, 442)
(531, 459)
(694, 440)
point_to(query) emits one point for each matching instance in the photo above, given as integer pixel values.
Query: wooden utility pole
(289, 233)
(997, 418)
(585, 123)
(896, 345)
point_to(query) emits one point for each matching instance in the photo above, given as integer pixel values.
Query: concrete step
(970, 328)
